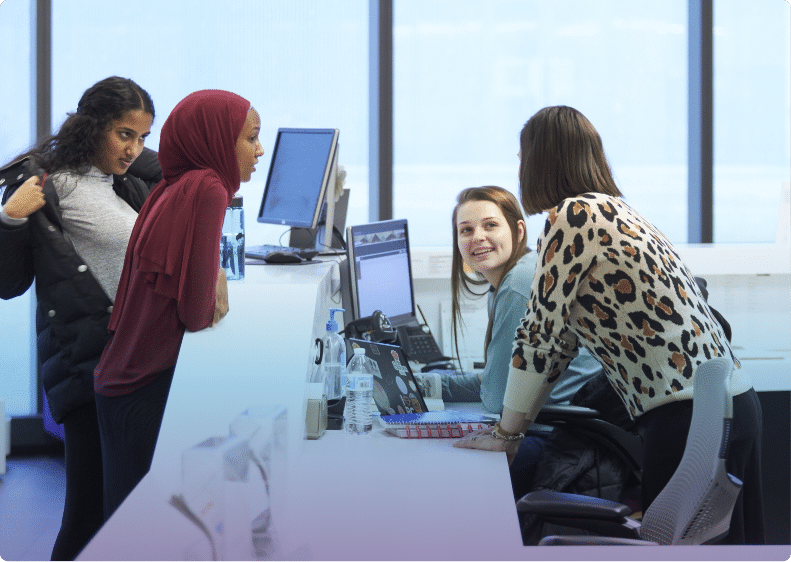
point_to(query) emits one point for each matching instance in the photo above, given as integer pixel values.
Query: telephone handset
(415, 339)
(375, 328)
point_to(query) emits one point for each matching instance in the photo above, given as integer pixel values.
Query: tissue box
(315, 410)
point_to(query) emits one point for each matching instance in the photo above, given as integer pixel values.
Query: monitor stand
(320, 238)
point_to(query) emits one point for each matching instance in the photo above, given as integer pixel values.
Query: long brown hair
(460, 280)
(562, 156)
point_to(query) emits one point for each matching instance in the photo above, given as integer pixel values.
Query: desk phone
(419, 344)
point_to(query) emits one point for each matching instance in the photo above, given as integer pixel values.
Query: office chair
(605, 427)
(587, 451)
(696, 504)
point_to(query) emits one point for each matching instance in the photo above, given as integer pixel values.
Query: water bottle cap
(359, 351)
(332, 325)
(237, 201)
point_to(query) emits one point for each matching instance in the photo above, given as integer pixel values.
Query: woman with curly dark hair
(67, 227)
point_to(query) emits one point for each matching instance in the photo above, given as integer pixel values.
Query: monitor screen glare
(302, 162)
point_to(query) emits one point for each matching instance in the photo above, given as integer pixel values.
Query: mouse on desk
(282, 257)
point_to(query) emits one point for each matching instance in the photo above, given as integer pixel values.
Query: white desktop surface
(260, 353)
(372, 497)
(380, 497)
(346, 497)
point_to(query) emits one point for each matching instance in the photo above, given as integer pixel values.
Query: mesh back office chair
(603, 426)
(585, 452)
(696, 504)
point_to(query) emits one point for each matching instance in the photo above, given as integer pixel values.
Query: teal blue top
(508, 306)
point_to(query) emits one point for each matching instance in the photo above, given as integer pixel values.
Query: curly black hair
(78, 138)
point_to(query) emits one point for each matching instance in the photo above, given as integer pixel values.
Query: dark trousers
(129, 427)
(664, 431)
(83, 509)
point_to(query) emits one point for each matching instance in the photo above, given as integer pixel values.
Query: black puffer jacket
(573, 462)
(73, 309)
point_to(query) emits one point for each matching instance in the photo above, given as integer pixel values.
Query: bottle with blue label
(359, 393)
(333, 363)
(232, 241)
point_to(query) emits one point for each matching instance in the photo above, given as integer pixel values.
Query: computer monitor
(302, 171)
(378, 275)
(380, 271)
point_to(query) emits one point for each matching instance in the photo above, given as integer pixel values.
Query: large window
(301, 63)
(752, 118)
(17, 387)
(468, 75)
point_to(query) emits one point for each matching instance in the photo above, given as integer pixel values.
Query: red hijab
(197, 147)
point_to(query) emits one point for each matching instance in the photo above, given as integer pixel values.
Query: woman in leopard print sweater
(611, 282)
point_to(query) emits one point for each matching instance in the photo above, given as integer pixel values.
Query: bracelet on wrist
(512, 437)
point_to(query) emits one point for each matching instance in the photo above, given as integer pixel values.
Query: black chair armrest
(561, 412)
(589, 540)
(547, 503)
(587, 513)
(587, 422)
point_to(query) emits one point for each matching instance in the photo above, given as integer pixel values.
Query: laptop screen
(380, 270)
(395, 388)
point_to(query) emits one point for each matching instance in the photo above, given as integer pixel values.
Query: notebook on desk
(402, 406)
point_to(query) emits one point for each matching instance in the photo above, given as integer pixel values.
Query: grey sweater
(96, 220)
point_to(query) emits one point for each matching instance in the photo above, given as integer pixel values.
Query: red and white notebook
(445, 423)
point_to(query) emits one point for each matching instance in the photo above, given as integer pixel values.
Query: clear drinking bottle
(232, 242)
(360, 384)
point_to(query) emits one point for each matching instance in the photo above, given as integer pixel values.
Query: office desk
(372, 497)
(346, 497)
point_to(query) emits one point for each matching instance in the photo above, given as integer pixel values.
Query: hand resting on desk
(484, 440)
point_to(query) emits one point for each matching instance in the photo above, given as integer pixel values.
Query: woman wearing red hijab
(171, 280)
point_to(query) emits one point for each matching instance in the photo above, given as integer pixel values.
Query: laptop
(395, 387)
(397, 394)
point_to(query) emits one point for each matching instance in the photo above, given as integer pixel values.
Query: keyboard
(262, 250)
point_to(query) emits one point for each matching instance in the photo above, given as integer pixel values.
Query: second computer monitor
(302, 171)
(380, 272)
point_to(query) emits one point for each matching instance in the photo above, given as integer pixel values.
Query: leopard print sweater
(608, 280)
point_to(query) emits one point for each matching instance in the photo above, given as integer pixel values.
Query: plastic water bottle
(360, 378)
(232, 242)
(333, 363)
